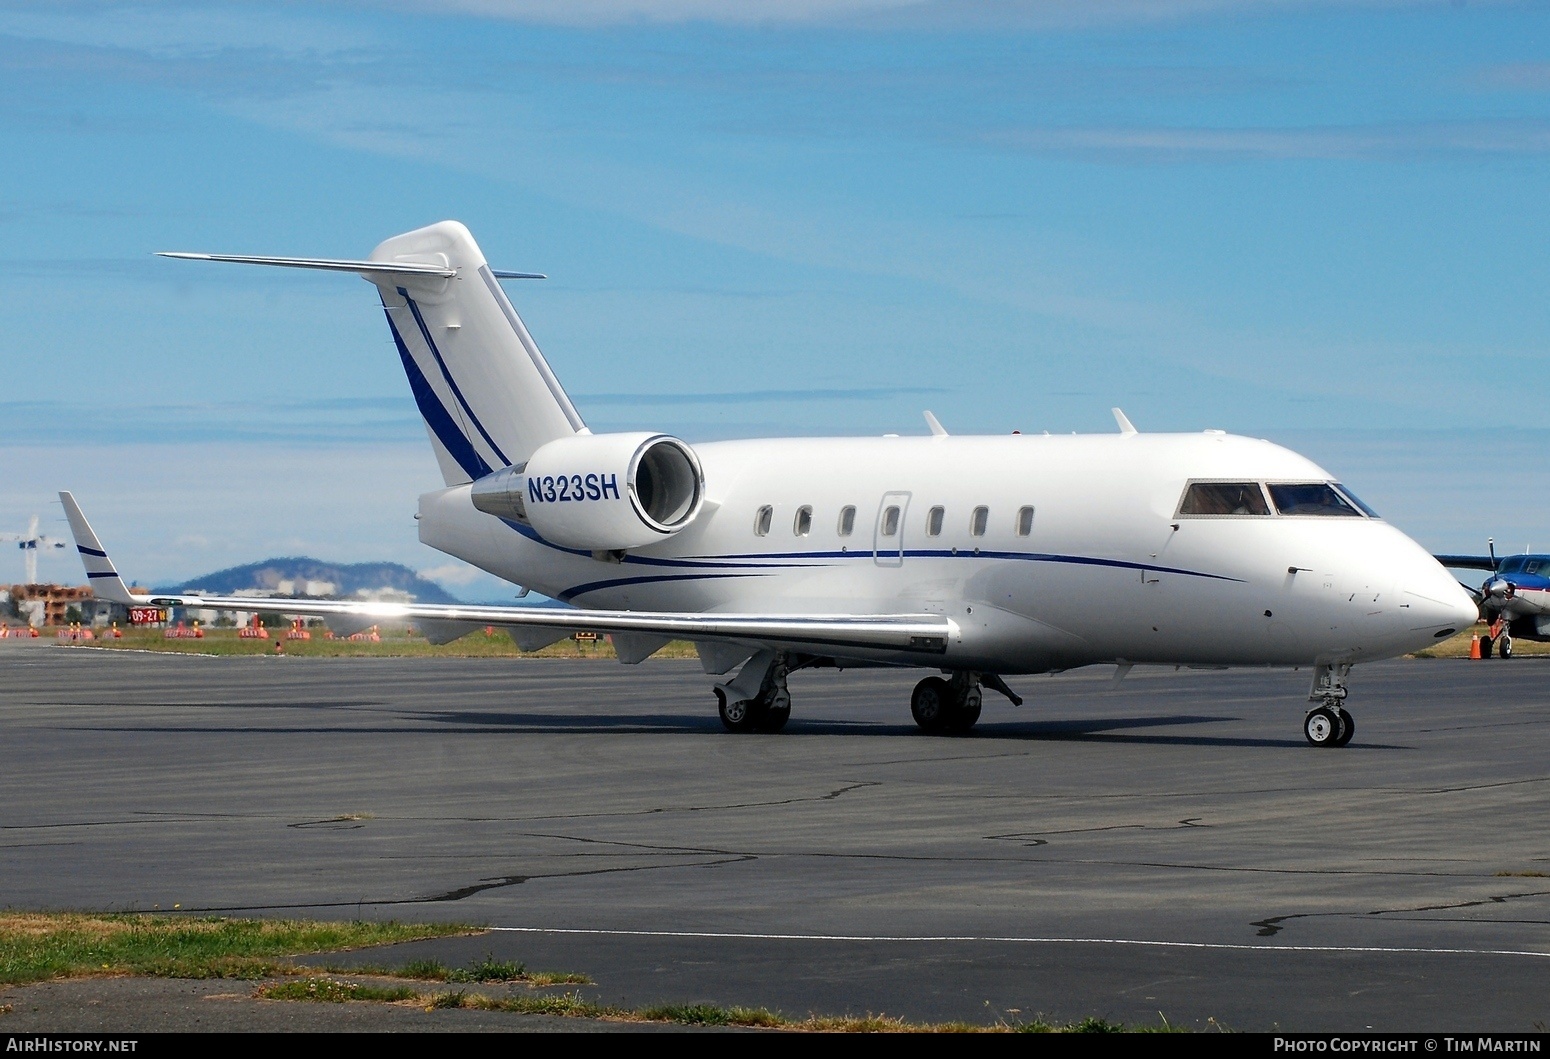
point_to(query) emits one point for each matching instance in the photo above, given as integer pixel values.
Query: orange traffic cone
(1474, 646)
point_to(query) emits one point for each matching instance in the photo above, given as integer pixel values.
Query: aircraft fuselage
(1105, 569)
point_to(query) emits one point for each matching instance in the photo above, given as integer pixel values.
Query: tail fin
(105, 581)
(486, 393)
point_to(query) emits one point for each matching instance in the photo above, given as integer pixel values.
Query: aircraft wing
(926, 634)
(1467, 562)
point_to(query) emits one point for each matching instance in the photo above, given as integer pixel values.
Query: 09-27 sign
(147, 615)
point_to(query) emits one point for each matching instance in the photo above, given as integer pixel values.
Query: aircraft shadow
(1115, 730)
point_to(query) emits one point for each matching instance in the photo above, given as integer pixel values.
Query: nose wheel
(1328, 723)
(1329, 726)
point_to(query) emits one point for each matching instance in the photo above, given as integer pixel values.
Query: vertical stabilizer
(100, 571)
(487, 394)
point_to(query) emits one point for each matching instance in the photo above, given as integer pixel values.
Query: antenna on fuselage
(1125, 425)
(937, 429)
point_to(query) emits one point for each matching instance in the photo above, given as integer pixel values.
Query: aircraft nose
(1439, 606)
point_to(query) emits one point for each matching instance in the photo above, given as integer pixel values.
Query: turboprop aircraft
(975, 557)
(1515, 598)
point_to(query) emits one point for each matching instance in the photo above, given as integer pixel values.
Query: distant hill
(348, 578)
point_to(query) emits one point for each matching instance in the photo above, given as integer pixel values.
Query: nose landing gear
(1328, 723)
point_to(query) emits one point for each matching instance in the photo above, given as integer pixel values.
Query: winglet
(937, 430)
(1125, 425)
(105, 581)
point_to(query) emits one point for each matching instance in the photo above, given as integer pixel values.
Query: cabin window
(847, 521)
(978, 521)
(890, 525)
(1224, 498)
(1024, 521)
(762, 520)
(934, 522)
(804, 521)
(1314, 498)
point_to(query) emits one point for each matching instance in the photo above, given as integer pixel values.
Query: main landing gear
(757, 699)
(952, 706)
(766, 709)
(1328, 723)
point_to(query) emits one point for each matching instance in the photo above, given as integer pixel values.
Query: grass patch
(487, 970)
(38, 946)
(573, 1005)
(333, 991)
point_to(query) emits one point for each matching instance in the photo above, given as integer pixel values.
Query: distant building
(40, 605)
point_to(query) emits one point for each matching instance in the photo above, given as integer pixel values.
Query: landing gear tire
(1485, 646)
(775, 719)
(1322, 727)
(1503, 647)
(742, 715)
(1347, 727)
(964, 714)
(931, 704)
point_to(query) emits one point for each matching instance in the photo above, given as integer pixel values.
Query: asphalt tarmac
(1169, 847)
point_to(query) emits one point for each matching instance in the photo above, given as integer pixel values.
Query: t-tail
(488, 397)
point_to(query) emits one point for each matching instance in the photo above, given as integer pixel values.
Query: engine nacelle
(602, 492)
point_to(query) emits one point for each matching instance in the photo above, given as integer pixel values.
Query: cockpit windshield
(1224, 498)
(1312, 498)
(1229, 499)
(1525, 564)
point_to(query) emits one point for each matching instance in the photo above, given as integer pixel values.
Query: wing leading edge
(915, 633)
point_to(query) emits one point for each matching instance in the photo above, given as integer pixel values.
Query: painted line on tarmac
(728, 936)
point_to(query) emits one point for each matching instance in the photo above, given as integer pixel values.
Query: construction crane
(29, 543)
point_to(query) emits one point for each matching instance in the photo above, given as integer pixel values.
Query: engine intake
(601, 492)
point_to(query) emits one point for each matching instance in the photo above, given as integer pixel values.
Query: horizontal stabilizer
(386, 268)
(329, 264)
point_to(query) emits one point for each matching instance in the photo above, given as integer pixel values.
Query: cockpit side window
(1224, 498)
(1311, 498)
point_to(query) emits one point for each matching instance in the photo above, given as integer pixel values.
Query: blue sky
(1323, 223)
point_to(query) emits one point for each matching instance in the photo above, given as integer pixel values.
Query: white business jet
(977, 557)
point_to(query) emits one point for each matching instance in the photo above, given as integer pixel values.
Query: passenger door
(888, 531)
